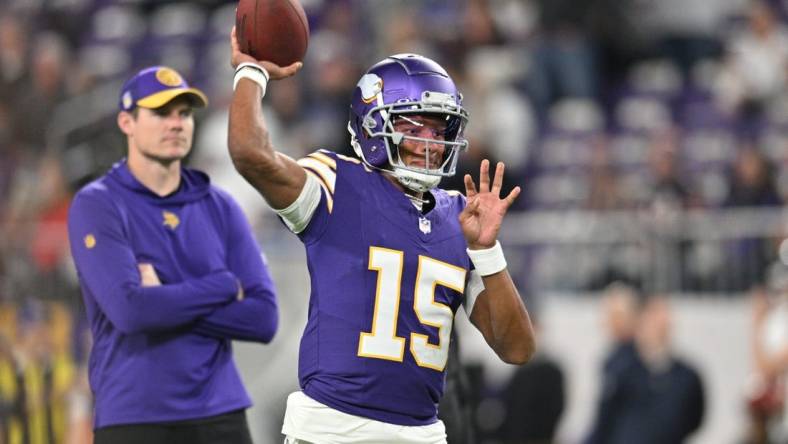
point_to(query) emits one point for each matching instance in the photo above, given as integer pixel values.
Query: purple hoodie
(164, 353)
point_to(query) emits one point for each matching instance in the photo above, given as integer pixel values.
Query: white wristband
(488, 261)
(253, 72)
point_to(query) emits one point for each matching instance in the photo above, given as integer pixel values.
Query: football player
(391, 256)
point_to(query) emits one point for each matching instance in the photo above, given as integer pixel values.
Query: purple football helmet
(391, 89)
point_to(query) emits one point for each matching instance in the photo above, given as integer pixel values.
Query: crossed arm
(134, 304)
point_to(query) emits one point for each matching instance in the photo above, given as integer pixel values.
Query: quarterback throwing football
(391, 256)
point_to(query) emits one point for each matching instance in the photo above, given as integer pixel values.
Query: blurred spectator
(649, 395)
(13, 54)
(620, 37)
(403, 32)
(667, 202)
(619, 317)
(49, 244)
(564, 63)
(753, 181)
(754, 70)
(685, 31)
(620, 310)
(479, 27)
(332, 69)
(668, 191)
(752, 184)
(768, 390)
(35, 223)
(604, 193)
(504, 124)
(534, 400)
(9, 151)
(35, 379)
(46, 88)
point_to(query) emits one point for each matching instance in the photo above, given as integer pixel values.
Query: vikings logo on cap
(155, 86)
(127, 100)
(168, 77)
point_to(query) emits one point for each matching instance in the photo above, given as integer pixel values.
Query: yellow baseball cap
(155, 86)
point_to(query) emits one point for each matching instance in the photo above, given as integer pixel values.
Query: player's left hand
(481, 219)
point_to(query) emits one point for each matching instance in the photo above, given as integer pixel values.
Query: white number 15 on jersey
(382, 342)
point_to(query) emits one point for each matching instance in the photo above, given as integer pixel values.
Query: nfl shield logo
(424, 225)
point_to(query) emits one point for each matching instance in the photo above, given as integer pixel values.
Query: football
(272, 30)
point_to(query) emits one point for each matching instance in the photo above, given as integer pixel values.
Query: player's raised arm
(498, 313)
(276, 176)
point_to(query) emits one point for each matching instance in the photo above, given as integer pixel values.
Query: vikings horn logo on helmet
(371, 85)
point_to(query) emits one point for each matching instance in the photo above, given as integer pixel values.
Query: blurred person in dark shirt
(535, 399)
(46, 87)
(752, 184)
(752, 181)
(620, 307)
(619, 318)
(649, 395)
(669, 198)
(669, 192)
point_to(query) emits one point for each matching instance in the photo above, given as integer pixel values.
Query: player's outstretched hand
(481, 219)
(275, 71)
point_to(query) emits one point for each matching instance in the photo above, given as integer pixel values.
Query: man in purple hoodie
(170, 274)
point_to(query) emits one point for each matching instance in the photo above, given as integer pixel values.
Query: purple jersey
(386, 282)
